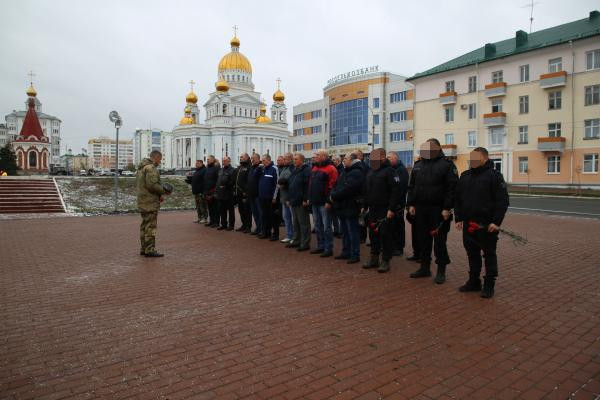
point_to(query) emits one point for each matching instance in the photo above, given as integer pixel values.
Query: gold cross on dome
(192, 83)
(31, 75)
(278, 80)
(235, 29)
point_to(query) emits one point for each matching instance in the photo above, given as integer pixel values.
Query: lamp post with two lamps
(116, 119)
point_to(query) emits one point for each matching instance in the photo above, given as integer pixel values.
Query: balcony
(494, 119)
(449, 150)
(554, 79)
(495, 89)
(554, 144)
(448, 98)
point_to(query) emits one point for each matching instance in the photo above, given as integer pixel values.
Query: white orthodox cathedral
(236, 121)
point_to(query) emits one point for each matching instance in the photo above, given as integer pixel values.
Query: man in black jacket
(224, 194)
(337, 228)
(210, 184)
(297, 200)
(241, 195)
(382, 197)
(481, 199)
(344, 197)
(402, 173)
(254, 175)
(430, 200)
(196, 179)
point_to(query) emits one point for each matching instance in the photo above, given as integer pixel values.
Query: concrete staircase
(29, 195)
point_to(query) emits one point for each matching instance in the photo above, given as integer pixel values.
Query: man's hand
(445, 214)
(412, 210)
(492, 228)
(162, 198)
(390, 214)
(327, 206)
(459, 226)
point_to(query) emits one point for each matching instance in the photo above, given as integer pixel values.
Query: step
(32, 211)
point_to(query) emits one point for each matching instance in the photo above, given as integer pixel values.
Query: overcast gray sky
(137, 57)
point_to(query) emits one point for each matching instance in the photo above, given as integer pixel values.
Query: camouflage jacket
(149, 188)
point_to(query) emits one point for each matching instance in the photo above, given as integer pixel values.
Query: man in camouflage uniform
(150, 194)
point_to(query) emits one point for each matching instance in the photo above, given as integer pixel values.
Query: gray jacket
(284, 174)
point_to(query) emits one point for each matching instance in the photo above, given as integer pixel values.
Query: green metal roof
(521, 43)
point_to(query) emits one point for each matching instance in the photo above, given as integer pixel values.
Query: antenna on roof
(531, 5)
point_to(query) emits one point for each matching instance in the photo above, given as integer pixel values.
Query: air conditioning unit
(463, 106)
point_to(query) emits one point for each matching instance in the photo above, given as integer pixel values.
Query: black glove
(168, 188)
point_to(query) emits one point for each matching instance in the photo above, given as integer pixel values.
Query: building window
(298, 132)
(349, 122)
(472, 136)
(376, 119)
(298, 117)
(472, 111)
(554, 129)
(592, 95)
(523, 165)
(472, 84)
(496, 105)
(555, 64)
(315, 114)
(523, 104)
(398, 116)
(555, 100)
(449, 138)
(450, 86)
(496, 136)
(592, 129)
(592, 59)
(375, 138)
(449, 114)
(554, 164)
(524, 73)
(523, 134)
(497, 77)
(316, 129)
(397, 136)
(398, 96)
(590, 163)
(375, 102)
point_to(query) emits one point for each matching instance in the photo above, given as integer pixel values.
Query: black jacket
(254, 175)
(481, 196)
(382, 188)
(241, 180)
(432, 183)
(403, 176)
(347, 190)
(197, 180)
(298, 185)
(225, 182)
(210, 179)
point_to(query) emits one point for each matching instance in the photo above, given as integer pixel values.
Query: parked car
(127, 173)
(83, 172)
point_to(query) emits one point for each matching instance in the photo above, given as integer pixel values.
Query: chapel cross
(31, 75)
(278, 80)
(235, 29)
(192, 83)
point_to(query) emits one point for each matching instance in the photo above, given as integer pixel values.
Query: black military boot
(423, 272)
(472, 285)
(488, 287)
(372, 263)
(440, 277)
(384, 266)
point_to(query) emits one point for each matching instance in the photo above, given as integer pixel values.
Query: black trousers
(213, 211)
(429, 218)
(245, 211)
(270, 224)
(477, 243)
(226, 210)
(384, 240)
(400, 231)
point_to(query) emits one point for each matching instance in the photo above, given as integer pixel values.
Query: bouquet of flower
(517, 239)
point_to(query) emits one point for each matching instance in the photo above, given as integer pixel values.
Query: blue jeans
(322, 219)
(350, 236)
(256, 213)
(287, 219)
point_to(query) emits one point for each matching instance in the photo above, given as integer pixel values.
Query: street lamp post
(116, 118)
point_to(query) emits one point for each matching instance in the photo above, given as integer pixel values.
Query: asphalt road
(555, 205)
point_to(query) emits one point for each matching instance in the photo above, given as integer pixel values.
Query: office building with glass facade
(364, 109)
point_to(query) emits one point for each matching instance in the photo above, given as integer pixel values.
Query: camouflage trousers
(148, 231)
(201, 207)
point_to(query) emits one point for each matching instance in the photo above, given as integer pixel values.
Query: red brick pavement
(226, 316)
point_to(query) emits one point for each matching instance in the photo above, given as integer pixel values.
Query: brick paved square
(227, 316)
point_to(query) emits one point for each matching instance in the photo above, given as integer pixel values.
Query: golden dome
(191, 97)
(187, 120)
(278, 96)
(235, 60)
(263, 119)
(222, 85)
(187, 110)
(31, 91)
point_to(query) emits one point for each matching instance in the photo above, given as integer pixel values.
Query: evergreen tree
(8, 160)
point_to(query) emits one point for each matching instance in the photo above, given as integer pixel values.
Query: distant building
(50, 125)
(74, 163)
(102, 153)
(361, 109)
(3, 135)
(532, 100)
(147, 140)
